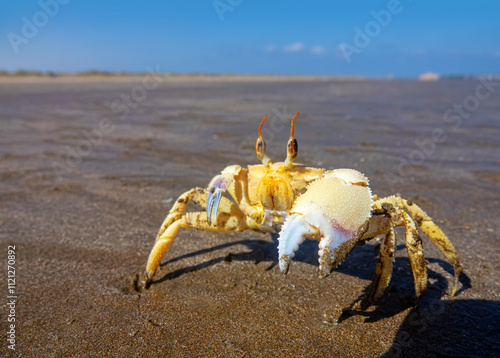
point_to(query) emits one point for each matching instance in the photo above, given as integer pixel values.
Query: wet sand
(84, 217)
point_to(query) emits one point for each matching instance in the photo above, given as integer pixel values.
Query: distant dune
(181, 76)
(429, 76)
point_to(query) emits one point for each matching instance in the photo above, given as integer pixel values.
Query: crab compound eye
(292, 148)
(260, 148)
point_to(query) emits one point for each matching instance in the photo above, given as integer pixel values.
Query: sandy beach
(90, 167)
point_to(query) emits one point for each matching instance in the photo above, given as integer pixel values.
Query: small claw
(213, 200)
(215, 205)
(210, 203)
(216, 188)
(292, 234)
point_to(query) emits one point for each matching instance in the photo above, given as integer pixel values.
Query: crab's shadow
(259, 251)
(360, 263)
(265, 251)
(449, 328)
(435, 326)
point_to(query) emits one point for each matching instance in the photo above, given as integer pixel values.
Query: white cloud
(318, 50)
(295, 47)
(269, 48)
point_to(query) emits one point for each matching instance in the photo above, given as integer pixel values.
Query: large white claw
(333, 208)
(292, 234)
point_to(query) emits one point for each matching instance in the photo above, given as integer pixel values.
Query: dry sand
(82, 236)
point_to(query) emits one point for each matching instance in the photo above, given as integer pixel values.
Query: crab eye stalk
(292, 146)
(260, 145)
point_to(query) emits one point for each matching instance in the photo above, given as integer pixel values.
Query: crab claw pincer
(331, 210)
(216, 189)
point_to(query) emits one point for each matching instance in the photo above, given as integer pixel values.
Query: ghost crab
(335, 207)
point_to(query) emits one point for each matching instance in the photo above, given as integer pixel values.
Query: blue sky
(252, 36)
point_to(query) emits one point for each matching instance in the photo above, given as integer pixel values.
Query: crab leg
(230, 219)
(394, 209)
(435, 234)
(385, 263)
(395, 206)
(196, 195)
(383, 272)
(416, 256)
